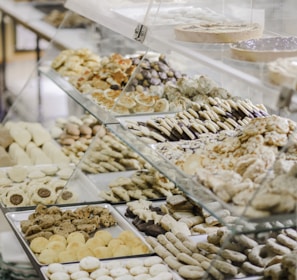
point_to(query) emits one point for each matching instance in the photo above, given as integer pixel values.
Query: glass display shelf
(160, 18)
(102, 115)
(142, 21)
(243, 222)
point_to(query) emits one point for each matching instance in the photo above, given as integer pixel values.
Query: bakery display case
(180, 128)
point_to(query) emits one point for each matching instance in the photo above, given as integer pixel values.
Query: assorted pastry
(107, 152)
(61, 235)
(242, 163)
(228, 144)
(154, 87)
(210, 116)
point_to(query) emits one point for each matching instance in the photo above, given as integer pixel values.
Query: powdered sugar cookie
(56, 267)
(59, 276)
(79, 274)
(99, 272)
(89, 263)
(136, 270)
(120, 271)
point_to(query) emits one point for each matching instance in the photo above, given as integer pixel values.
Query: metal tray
(15, 218)
(123, 261)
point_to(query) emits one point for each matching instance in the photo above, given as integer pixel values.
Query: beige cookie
(191, 271)
(16, 198)
(17, 173)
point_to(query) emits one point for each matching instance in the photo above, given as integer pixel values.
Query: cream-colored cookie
(90, 263)
(17, 173)
(48, 256)
(15, 197)
(38, 244)
(60, 275)
(20, 135)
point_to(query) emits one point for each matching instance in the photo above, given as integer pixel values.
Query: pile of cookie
(141, 184)
(151, 267)
(50, 223)
(221, 256)
(29, 143)
(73, 63)
(76, 246)
(169, 96)
(234, 164)
(72, 129)
(150, 82)
(31, 185)
(103, 83)
(212, 116)
(48, 220)
(107, 153)
(114, 71)
(176, 214)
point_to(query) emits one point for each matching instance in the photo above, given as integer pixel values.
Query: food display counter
(190, 145)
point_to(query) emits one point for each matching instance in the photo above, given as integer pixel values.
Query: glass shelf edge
(199, 194)
(102, 115)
